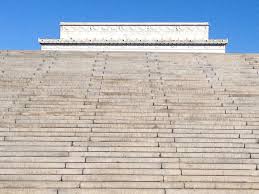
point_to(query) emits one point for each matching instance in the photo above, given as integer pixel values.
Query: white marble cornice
(134, 24)
(137, 42)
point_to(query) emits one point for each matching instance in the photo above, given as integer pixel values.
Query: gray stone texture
(128, 123)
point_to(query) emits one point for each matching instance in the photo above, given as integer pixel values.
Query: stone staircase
(128, 123)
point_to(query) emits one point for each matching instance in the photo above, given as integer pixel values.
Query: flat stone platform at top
(174, 37)
(128, 123)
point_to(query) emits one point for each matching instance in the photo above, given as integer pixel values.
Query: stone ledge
(136, 42)
(134, 24)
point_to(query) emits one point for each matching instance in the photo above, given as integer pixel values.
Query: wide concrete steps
(77, 122)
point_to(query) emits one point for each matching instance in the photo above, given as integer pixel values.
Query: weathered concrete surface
(94, 122)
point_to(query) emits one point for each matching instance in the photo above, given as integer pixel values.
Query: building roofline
(134, 24)
(137, 42)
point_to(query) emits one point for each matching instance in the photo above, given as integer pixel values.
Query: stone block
(111, 191)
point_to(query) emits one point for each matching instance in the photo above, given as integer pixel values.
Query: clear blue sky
(23, 21)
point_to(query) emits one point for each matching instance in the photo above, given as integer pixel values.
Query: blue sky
(23, 21)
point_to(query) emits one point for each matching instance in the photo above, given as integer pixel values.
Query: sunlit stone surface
(155, 37)
(128, 123)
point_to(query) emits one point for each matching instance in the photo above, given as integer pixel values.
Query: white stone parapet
(175, 37)
(134, 31)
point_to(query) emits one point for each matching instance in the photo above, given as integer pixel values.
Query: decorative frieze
(133, 32)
